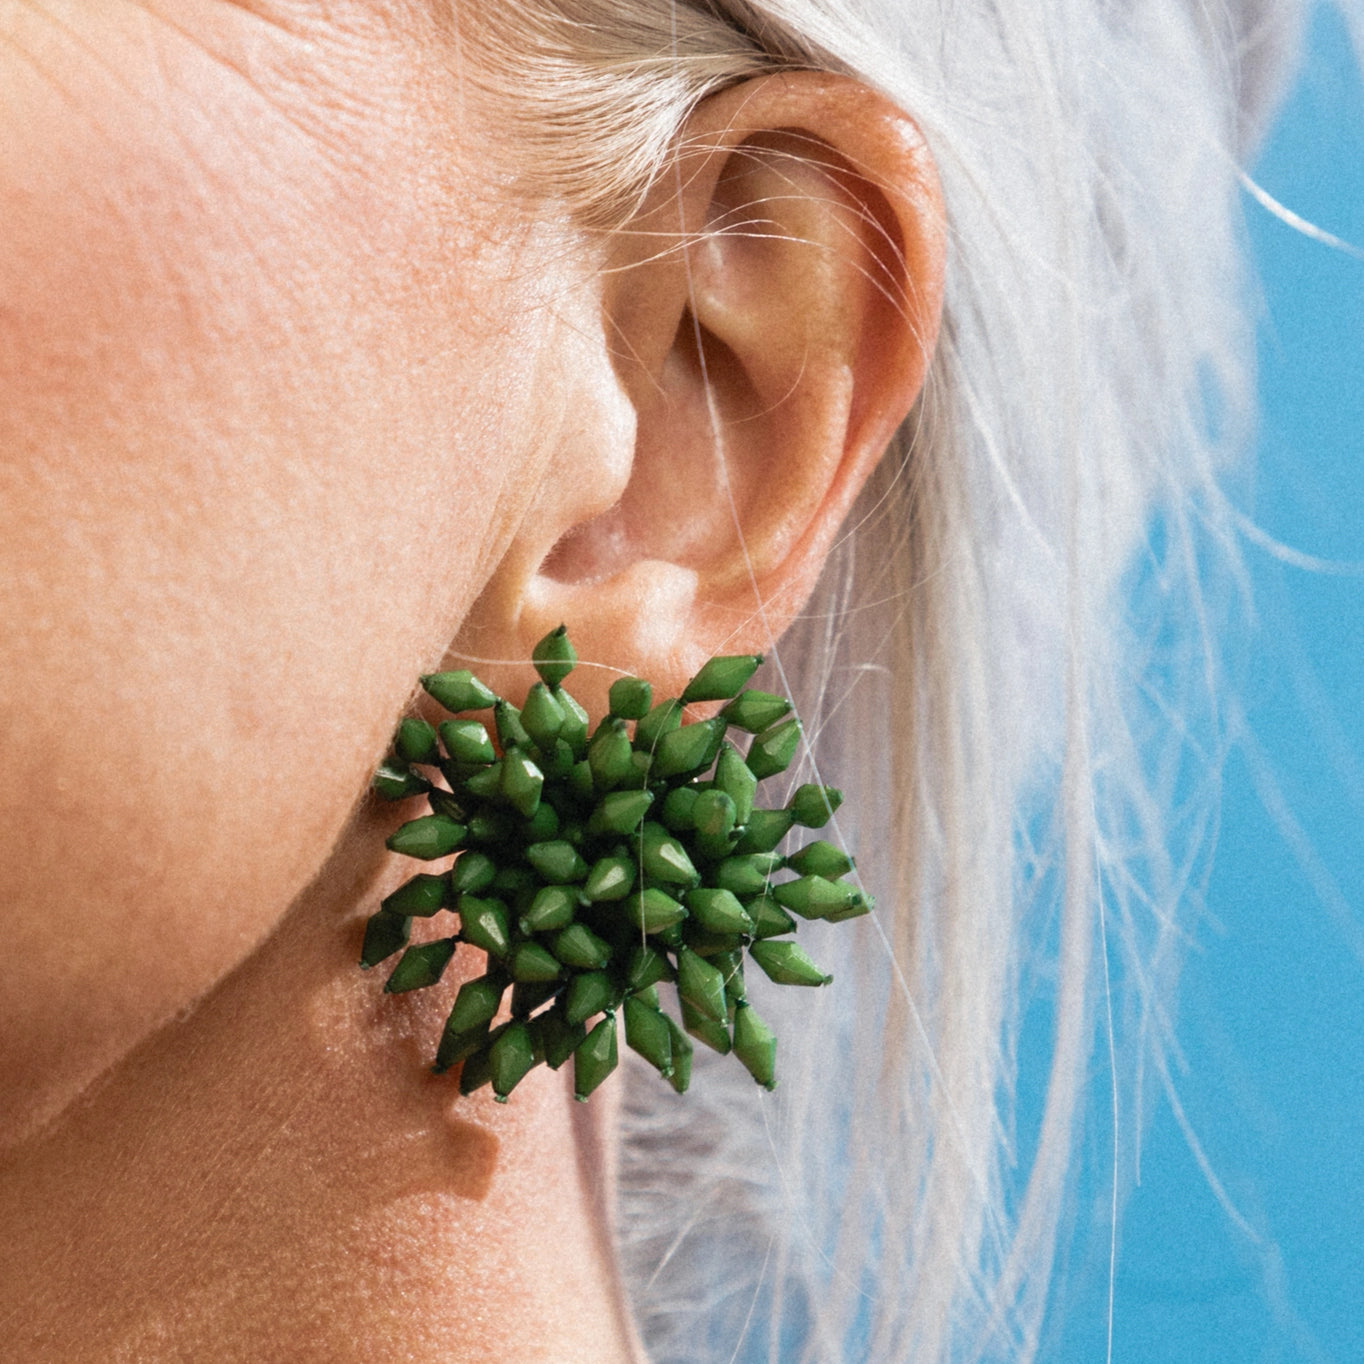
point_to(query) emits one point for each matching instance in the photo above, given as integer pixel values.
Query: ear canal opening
(589, 552)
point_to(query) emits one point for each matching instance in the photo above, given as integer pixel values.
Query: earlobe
(769, 316)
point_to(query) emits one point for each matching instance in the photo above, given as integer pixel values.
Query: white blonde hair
(1012, 731)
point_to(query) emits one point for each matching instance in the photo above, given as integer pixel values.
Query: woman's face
(275, 388)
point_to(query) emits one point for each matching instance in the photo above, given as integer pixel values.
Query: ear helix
(595, 865)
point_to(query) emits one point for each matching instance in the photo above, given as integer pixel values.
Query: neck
(278, 1175)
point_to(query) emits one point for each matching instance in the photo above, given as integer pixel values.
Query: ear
(768, 316)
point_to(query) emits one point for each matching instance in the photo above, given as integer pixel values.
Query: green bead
(714, 813)
(671, 937)
(476, 1004)
(665, 859)
(528, 995)
(558, 1037)
(734, 777)
(416, 741)
(662, 719)
(420, 966)
(647, 966)
(731, 966)
(813, 806)
(692, 748)
(609, 754)
(679, 807)
(522, 782)
(511, 733)
(707, 944)
(574, 831)
(858, 905)
(556, 761)
(787, 963)
(543, 825)
(578, 947)
(443, 803)
(711, 1031)
(595, 1058)
(631, 698)
(620, 813)
(580, 781)
(489, 826)
(590, 992)
(721, 678)
(530, 961)
(575, 726)
(812, 897)
(682, 1050)
(610, 879)
(755, 1045)
(765, 829)
(486, 783)
(647, 1032)
(649, 995)
(477, 1070)
(467, 742)
(746, 875)
(510, 1057)
(554, 657)
(774, 748)
(459, 1046)
(553, 908)
(558, 861)
(718, 911)
(700, 984)
(484, 924)
(385, 933)
(428, 837)
(769, 918)
(653, 910)
(421, 897)
(459, 690)
(514, 883)
(457, 774)
(542, 715)
(756, 711)
(395, 781)
(821, 859)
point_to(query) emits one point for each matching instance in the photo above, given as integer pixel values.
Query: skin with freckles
(299, 398)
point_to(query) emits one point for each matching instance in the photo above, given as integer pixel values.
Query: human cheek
(254, 404)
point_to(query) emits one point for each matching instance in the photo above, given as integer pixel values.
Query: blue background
(1272, 1001)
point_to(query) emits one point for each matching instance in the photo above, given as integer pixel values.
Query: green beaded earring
(595, 865)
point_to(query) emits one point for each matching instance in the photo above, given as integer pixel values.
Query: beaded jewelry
(595, 866)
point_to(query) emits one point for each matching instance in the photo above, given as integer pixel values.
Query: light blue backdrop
(1272, 1004)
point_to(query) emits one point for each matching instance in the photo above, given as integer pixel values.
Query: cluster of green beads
(595, 865)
